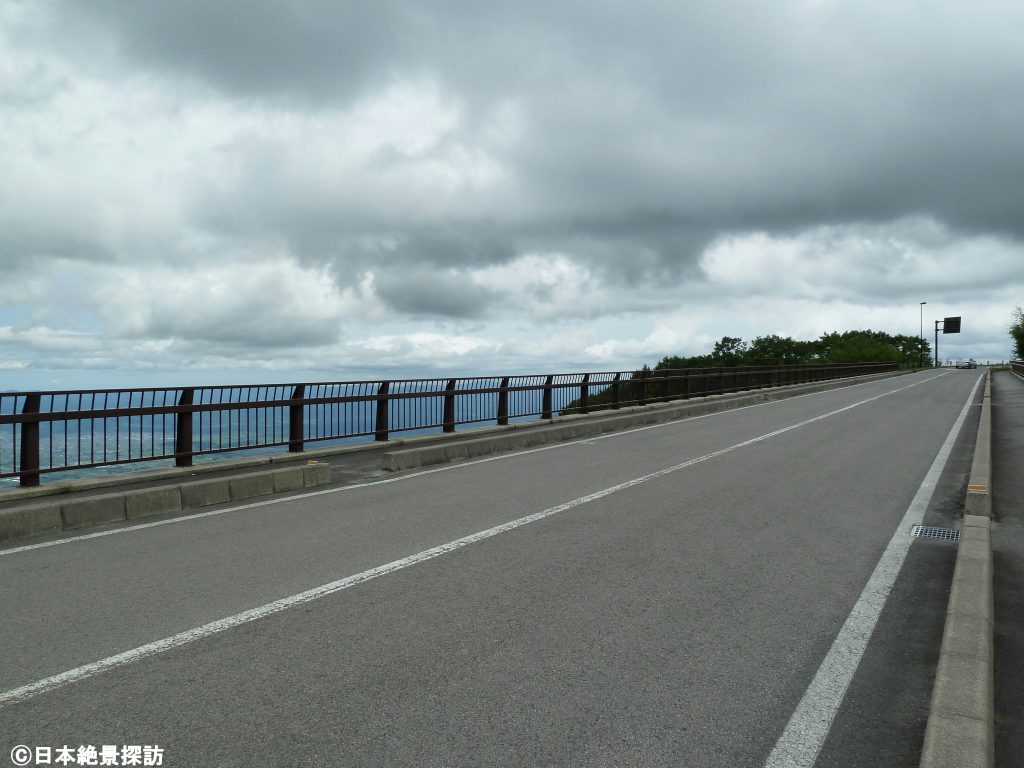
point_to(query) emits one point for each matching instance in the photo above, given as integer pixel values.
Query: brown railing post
(448, 419)
(545, 406)
(380, 425)
(684, 390)
(585, 394)
(503, 403)
(295, 420)
(641, 398)
(616, 396)
(183, 430)
(29, 464)
(665, 396)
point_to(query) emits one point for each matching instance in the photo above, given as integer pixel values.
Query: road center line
(808, 727)
(85, 671)
(421, 473)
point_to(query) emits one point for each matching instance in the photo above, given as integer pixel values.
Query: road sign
(951, 325)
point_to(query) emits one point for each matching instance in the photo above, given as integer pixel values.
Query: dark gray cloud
(307, 51)
(779, 117)
(429, 292)
(186, 167)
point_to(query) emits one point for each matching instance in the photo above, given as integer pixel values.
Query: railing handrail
(292, 402)
(353, 382)
(147, 410)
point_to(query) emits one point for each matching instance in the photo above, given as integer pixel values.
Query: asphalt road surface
(698, 593)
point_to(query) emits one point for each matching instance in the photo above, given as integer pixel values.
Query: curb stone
(73, 513)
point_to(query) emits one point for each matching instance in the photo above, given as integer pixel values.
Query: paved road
(663, 596)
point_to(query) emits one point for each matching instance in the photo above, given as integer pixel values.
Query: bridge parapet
(60, 431)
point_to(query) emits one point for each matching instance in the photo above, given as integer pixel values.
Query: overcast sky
(194, 192)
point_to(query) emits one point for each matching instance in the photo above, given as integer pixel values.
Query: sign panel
(951, 325)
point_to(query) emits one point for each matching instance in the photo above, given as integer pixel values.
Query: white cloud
(423, 346)
(863, 263)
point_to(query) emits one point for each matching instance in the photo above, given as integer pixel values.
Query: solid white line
(22, 693)
(411, 475)
(808, 727)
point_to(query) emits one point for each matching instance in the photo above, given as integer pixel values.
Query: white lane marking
(808, 727)
(435, 470)
(24, 692)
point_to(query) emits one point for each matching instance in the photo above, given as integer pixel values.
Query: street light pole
(920, 349)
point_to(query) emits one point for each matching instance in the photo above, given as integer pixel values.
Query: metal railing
(59, 431)
(1017, 366)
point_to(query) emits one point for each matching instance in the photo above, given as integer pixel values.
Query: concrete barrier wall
(73, 513)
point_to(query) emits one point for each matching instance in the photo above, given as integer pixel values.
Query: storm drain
(931, 532)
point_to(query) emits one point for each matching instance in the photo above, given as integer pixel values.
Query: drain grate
(931, 532)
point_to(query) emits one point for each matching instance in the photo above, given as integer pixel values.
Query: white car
(966, 363)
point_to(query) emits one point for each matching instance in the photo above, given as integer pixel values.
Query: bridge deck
(670, 602)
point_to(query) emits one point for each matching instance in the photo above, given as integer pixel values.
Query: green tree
(864, 346)
(776, 350)
(1017, 333)
(729, 351)
(676, 363)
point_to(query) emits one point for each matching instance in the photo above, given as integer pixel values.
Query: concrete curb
(175, 475)
(72, 513)
(979, 497)
(961, 727)
(589, 425)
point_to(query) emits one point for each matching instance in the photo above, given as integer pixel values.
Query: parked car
(972, 363)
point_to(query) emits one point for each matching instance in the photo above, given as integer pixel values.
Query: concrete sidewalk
(1008, 553)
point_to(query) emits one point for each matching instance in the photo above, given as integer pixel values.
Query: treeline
(848, 347)
(731, 352)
